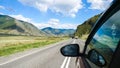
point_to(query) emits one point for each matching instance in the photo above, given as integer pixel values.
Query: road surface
(45, 57)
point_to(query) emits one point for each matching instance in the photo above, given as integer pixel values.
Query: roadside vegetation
(13, 44)
(84, 37)
(84, 29)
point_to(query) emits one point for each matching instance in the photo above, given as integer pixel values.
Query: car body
(102, 47)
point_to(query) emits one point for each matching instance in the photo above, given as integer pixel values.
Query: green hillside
(86, 27)
(11, 26)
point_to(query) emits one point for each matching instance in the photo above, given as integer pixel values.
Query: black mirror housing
(71, 50)
(96, 58)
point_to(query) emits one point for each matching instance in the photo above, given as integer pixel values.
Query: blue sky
(53, 13)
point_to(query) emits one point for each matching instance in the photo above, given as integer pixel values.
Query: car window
(106, 38)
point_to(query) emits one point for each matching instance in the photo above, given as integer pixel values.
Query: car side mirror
(96, 58)
(71, 50)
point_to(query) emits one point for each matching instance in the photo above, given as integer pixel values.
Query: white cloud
(99, 4)
(21, 17)
(2, 7)
(7, 8)
(41, 5)
(55, 23)
(1, 13)
(67, 8)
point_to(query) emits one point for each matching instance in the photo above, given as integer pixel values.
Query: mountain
(12, 26)
(58, 32)
(86, 27)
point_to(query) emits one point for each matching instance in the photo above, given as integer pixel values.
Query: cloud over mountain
(56, 23)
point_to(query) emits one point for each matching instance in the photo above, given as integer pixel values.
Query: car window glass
(107, 37)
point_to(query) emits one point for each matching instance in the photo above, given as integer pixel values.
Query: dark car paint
(115, 63)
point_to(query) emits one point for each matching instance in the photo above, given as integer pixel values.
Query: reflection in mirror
(96, 58)
(71, 50)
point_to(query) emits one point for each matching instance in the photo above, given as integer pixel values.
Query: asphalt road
(46, 57)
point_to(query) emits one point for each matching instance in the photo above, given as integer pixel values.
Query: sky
(67, 14)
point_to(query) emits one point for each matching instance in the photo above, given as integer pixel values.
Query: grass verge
(84, 37)
(9, 48)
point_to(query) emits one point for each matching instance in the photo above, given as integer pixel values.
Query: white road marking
(67, 64)
(66, 61)
(73, 41)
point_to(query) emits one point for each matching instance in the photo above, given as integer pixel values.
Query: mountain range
(12, 26)
(58, 32)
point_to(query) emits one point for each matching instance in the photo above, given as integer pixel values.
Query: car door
(102, 47)
(103, 42)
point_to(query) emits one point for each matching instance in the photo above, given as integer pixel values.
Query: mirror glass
(71, 50)
(96, 58)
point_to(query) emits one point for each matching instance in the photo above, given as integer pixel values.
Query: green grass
(14, 44)
(84, 37)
